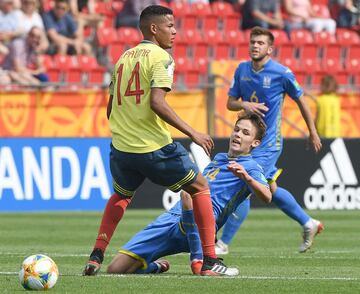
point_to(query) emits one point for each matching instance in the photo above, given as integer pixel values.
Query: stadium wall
(42, 174)
(82, 113)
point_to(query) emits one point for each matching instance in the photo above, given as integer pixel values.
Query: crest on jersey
(267, 82)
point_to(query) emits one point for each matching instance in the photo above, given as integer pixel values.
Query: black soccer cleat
(215, 267)
(93, 266)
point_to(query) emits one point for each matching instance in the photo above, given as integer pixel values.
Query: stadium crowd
(78, 41)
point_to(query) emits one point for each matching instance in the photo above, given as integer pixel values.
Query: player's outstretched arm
(234, 104)
(159, 105)
(306, 114)
(260, 190)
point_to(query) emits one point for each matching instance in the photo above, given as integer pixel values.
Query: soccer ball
(38, 272)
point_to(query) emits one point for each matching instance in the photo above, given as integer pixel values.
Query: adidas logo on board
(336, 182)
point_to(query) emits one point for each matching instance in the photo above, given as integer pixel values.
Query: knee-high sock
(204, 217)
(113, 213)
(192, 234)
(234, 221)
(287, 203)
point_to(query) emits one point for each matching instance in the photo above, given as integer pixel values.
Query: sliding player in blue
(232, 178)
(259, 86)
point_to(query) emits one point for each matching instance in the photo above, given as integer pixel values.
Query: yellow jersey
(134, 126)
(328, 115)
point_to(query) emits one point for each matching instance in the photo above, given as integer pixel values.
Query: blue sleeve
(49, 22)
(72, 27)
(291, 86)
(235, 90)
(257, 174)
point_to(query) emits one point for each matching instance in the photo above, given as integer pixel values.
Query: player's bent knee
(121, 264)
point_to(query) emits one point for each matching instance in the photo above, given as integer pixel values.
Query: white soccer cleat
(221, 248)
(311, 229)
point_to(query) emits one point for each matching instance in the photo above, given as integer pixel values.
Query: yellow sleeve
(162, 72)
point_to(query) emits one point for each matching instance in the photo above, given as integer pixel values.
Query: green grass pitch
(265, 251)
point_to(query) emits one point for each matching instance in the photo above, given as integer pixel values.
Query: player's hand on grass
(315, 142)
(256, 108)
(238, 170)
(204, 140)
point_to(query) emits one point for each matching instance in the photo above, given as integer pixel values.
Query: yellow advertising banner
(80, 114)
(294, 125)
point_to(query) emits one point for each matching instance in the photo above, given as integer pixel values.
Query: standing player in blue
(259, 86)
(232, 177)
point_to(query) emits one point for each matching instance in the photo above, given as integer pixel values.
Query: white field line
(310, 255)
(241, 277)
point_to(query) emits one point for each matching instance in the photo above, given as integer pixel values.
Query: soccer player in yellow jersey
(141, 143)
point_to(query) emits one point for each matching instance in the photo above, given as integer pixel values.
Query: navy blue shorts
(169, 166)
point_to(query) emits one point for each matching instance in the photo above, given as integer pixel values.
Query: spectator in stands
(62, 31)
(129, 15)
(9, 23)
(328, 113)
(30, 18)
(301, 15)
(85, 14)
(25, 59)
(5, 78)
(346, 13)
(265, 14)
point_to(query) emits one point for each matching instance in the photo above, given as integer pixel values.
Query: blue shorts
(169, 166)
(162, 237)
(267, 160)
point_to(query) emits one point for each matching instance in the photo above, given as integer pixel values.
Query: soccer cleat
(196, 265)
(215, 267)
(93, 266)
(311, 229)
(221, 248)
(163, 266)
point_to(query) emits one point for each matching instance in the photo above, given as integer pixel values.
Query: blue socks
(235, 220)
(192, 234)
(287, 203)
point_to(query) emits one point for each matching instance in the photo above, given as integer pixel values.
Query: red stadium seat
(301, 37)
(115, 51)
(234, 37)
(51, 69)
(206, 19)
(285, 51)
(291, 63)
(353, 52)
(332, 51)
(332, 66)
(280, 37)
(300, 77)
(104, 8)
(222, 8)
(242, 52)
(353, 65)
(324, 38)
(347, 37)
(308, 51)
(106, 36)
(129, 36)
(205, 46)
(181, 10)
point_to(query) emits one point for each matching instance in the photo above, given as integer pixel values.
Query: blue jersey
(268, 85)
(227, 190)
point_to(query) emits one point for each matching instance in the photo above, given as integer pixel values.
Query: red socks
(113, 213)
(205, 221)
